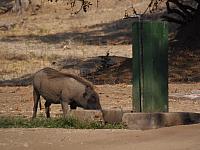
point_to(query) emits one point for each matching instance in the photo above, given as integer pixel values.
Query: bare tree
(17, 7)
(5, 6)
(182, 12)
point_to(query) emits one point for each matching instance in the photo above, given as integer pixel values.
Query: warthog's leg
(36, 98)
(73, 105)
(64, 105)
(47, 108)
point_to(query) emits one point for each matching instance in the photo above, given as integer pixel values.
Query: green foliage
(42, 122)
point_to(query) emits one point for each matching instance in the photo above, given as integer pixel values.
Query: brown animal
(65, 89)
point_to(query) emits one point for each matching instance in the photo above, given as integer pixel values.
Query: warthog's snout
(94, 107)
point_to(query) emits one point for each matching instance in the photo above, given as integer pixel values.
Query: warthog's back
(50, 74)
(51, 83)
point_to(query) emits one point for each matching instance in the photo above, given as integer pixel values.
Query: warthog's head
(92, 99)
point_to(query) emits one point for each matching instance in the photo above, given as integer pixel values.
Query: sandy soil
(173, 138)
(53, 33)
(19, 101)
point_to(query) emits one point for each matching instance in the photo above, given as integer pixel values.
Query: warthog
(65, 89)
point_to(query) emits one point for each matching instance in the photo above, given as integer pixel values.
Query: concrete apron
(138, 121)
(143, 121)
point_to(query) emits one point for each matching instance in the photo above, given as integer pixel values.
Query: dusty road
(172, 138)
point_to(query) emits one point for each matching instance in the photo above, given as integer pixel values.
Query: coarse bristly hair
(52, 73)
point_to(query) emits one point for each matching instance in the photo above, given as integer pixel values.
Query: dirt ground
(19, 101)
(32, 41)
(173, 138)
(37, 40)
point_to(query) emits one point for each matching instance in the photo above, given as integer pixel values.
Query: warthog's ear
(89, 95)
(87, 92)
(84, 95)
(92, 99)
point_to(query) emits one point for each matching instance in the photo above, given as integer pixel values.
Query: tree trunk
(21, 5)
(17, 6)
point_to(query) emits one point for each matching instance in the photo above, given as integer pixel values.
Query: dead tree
(181, 12)
(17, 7)
(5, 6)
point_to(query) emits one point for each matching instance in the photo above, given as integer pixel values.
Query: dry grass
(38, 40)
(15, 65)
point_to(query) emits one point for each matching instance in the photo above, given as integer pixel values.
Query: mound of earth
(98, 70)
(183, 67)
(101, 69)
(112, 70)
(108, 70)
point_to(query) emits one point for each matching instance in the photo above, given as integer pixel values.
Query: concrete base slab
(138, 121)
(114, 115)
(87, 115)
(143, 121)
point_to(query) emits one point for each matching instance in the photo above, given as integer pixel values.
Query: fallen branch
(7, 26)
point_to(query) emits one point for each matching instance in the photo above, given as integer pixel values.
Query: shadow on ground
(117, 32)
(98, 70)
